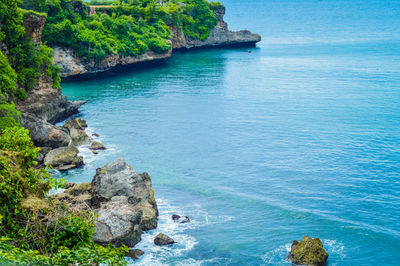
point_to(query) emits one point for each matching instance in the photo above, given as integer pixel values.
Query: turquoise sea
(299, 137)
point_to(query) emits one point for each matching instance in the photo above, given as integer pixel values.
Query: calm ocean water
(299, 137)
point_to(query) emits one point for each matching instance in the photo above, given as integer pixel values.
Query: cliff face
(219, 36)
(71, 66)
(44, 105)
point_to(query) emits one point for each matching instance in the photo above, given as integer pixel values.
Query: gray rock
(96, 145)
(64, 158)
(118, 223)
(119, 179)
(44, 134)
(308, 252)
(76, 123)
(163, 240)
(79, 137)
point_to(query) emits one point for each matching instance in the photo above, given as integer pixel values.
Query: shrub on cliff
(34, 228)
(128, 28)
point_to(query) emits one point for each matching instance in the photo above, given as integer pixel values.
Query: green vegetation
(128, 27)
(35, 229)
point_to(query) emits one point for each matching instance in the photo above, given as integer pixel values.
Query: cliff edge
(72, 66)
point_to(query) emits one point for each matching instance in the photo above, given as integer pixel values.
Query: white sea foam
(277, 256)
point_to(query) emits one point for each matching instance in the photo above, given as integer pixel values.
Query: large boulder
(76, 123)
(308, 252)
(63, 158)
(44, 134)
(118, 223)
(163, 240)
(122, 200)
(119, 179)
(96, 145)
(76, 127)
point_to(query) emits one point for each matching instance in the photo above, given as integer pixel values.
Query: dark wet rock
(180, 219)
(96, 145)
(134, 254)
(95, 135)
(119, 179)
(308, 252)
(63, 158)
(163, 240)
(44, 134)
(95, 152)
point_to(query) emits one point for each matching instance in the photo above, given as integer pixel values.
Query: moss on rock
(308, 252)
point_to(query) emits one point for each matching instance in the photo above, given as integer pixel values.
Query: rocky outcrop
(180, 219)
(72, 67)
(122, 200)
(63, 158)
(308, 252)
(163, 240)
(119, 179)
(219, 36)
(44, 134)
(34, 23)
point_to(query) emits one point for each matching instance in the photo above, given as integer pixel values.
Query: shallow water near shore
(299, 137)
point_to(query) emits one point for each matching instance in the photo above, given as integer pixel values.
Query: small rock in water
(180, 219)
(162, 240)
(95, 135)
(308, 252)
(96, 145)
(134, 254)
(95, 152)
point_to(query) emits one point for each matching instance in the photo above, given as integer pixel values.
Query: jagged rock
(75, 123)
(219, 36)
(308, 252)
(180, 219)
(163, 240)
(79, 137)
(44, 134)
(64, 158)
(34, 23)
(134, 254)
(118, 223)
(96, 145)
(95, 135)
(119, 179)
(76, 196)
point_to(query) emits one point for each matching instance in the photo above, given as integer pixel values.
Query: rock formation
(122, 199)
(308, 252)
(163, 240)
(219, 36)
(63, 158)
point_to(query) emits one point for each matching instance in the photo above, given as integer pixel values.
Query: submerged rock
(96, 145)
(180, 219)
(163, 240)
(308, 252)
(134, 254)
(63, 158)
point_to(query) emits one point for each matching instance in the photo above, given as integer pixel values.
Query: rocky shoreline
(72, 67)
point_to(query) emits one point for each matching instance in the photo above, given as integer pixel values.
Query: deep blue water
(299, 137)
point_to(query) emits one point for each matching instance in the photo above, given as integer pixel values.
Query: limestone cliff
(44, 105)
(71, 66)
(219, 36)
